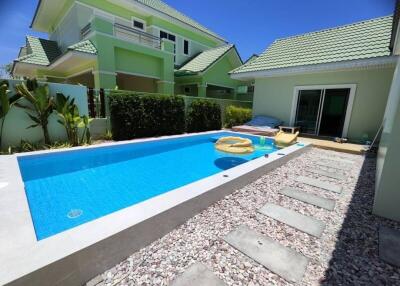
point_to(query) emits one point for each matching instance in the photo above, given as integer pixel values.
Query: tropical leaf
(33, 118)
(32, 126)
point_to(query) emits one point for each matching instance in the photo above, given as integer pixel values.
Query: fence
(89, 101)
(17, 121)
(224, 103)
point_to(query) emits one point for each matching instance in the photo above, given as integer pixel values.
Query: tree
(5, 71)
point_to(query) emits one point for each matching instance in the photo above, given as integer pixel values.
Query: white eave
(47, 12)
(379, 62)
(63, 64)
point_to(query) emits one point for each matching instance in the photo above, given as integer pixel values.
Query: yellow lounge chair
(283, 139)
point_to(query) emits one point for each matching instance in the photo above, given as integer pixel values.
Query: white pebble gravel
(346, 254)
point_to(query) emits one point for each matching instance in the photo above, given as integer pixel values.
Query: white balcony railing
(131, 34)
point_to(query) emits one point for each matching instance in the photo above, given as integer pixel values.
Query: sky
(252, 25)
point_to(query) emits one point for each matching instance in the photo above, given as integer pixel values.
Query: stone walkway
(290, 226)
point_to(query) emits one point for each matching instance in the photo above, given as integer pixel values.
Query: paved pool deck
(233, 241)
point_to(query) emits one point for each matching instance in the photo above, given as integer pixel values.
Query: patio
(346, 253)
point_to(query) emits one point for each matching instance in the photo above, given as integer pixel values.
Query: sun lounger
(264, 131)
(260, 125)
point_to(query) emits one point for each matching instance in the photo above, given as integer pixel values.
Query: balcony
(131, 34)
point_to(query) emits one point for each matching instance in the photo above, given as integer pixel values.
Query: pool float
(283, 139)
(235, 145)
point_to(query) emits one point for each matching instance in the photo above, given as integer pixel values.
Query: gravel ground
(346, 254)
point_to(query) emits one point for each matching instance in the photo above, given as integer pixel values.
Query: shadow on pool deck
(355, 260)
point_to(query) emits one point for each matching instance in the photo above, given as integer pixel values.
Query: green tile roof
(168, 10)
(84, 47)
(40, 51)
(205, 59)
(44, 52)
(362, 40)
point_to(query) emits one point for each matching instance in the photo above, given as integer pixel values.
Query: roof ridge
(194, 23)
(332, 28)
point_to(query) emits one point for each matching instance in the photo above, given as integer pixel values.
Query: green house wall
(274, 96)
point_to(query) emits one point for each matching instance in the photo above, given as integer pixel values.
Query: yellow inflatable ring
(235, 145)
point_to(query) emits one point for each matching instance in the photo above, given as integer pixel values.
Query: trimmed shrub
(137, 116)
(235, 116)
(203, 115)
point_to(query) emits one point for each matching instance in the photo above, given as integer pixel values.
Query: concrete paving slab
(319, 184)
(294, 219)
(311, 199)
(337, 159)
(389, 245)
(279, 259)
(328, 174)
(333, 166)
(198, 275)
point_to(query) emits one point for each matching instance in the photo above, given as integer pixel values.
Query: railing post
(91, 105)
(102, 103)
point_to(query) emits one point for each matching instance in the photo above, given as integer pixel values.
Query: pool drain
(74, 213)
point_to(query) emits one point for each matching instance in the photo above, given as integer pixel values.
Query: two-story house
(140, 45)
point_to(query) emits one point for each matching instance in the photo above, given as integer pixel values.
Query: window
(165, 35)
(138, 24)
(187, 90)
(186, 47)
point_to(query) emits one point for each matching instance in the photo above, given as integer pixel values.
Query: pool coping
(76, 255)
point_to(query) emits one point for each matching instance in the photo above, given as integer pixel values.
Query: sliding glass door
(308, 106)
(322, 111)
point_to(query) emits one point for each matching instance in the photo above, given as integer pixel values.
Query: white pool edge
(78, 254)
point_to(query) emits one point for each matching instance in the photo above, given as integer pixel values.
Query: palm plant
(6, 103)
(71, 120)
(69, 117)
(86, 137)
(41, 105)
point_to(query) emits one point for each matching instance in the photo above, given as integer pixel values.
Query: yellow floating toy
(235, 145)
(283, 139)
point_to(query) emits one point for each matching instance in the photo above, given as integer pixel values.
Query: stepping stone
(389, 245)
(279, 259)
(308, 198)
(333, 166)
(294, 219)
(328, 174)
(337, 159)
(319, 184)
(198, 275)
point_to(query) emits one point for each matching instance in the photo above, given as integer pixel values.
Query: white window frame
(183, 47)
(138, 20)
(353, 89)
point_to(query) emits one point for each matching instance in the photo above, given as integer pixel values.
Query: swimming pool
(67, 189)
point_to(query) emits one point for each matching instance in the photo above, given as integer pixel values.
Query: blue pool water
(66, 189)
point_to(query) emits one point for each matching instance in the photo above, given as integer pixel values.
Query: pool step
(328, 174)
(294, 219)
(276, 257)
(308, 198)
(319, 184)
(197, 275)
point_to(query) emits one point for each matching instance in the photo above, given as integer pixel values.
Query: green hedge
(138, 116)
(235, 116)
(203, 115)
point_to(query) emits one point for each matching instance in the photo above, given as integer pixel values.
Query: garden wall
(17, 121)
